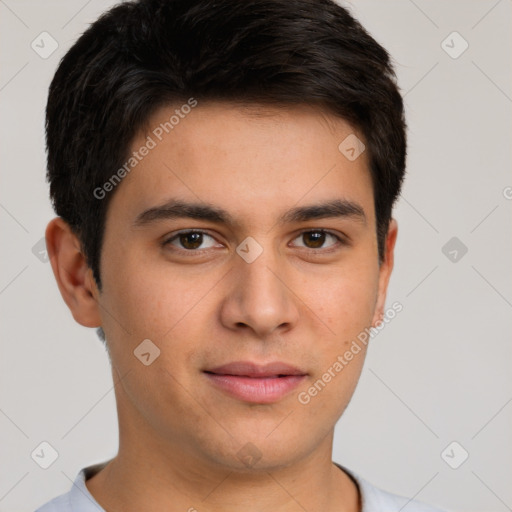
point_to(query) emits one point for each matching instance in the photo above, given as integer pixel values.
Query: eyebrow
(174, 209)
(330, 209)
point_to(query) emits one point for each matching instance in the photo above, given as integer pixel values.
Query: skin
(179, 436)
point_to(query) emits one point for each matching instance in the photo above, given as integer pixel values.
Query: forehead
(245, 156)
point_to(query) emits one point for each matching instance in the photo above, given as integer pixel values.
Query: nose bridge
(260, 299)
(258, 279)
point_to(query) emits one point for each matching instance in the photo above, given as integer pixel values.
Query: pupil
(191, 240)
(316, 239)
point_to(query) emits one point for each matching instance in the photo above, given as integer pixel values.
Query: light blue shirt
(79, 499)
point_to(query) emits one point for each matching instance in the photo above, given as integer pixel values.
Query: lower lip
(262, 390)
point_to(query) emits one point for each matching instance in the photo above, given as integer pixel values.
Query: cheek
(153, 301)
(346, 306)
(345, 300)
(145, 302)
(147, 299)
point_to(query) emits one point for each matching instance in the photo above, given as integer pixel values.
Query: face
(244, 235)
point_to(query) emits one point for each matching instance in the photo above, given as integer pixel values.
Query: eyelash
(340, 241)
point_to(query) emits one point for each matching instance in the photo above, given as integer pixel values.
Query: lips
(249, 369)
(250, 382)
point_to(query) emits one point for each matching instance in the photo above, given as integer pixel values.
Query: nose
(259, 298)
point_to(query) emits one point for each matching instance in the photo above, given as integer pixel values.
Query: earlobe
(73, 276)
(386, 267)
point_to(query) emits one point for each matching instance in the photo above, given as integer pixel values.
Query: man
(224, 174)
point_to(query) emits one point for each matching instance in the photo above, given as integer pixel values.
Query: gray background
(438, 373)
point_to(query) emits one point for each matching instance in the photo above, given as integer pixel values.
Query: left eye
(317, 239)
(192, 240)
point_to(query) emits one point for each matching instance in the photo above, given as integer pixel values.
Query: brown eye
(317, 239)
(313, 239)
(191, 241)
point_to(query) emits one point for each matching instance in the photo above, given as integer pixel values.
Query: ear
(385, 271)
(74, 277)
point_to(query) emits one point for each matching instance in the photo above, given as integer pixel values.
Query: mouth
(250, 382)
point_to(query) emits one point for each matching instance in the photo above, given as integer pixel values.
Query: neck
(138, 486)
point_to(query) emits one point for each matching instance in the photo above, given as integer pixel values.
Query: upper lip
(250, 369)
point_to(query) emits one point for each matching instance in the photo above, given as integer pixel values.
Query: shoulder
(78, 499)
(61, 503)
(377, 500)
